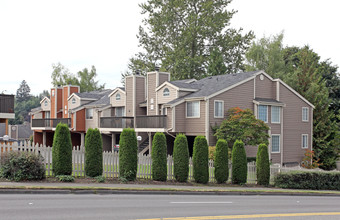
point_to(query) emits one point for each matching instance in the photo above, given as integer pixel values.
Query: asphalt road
(130, 206)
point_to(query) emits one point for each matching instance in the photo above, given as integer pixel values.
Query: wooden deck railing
(116, 122)
(49, 122)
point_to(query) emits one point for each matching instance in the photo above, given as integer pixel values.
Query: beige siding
(140, 94)
(240, 96)
(169, 118)
(265, 88)
(180, 118)
(106, 113)
(165, 99)
(48, 107)
(129, 96)
(293, 126)
(115, 102)
(38, 115)
(75, 105)
(151, 93)
(92, 123)
(163, 77)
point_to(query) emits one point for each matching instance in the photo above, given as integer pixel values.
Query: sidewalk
(104, 188)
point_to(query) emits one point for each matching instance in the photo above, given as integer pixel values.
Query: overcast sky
(81, 33)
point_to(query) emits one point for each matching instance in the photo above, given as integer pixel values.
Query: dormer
(169, 91)
(118, 97)
(45, 104)
(74, 101)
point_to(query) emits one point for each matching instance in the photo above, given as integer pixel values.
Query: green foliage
(181, 158)
(185, 37)
(128, 155)
(221, 161)
(100, 179)
(158, 155)
(200, 160)
(313, 180)
(87, 81)
(93, 153)
(62, 151)
(23, 93)
(19, 166)
(212, 153)
(239, 163)
(65, 178)
(242, 125)
(262, 165)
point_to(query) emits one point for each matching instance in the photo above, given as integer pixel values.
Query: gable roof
(102, 100)
(44, 99)
(122, 89)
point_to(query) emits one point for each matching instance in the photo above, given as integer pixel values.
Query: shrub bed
(18, 166)
(308, 180)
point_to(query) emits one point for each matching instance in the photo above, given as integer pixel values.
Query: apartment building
(153, 103)
(6, 110)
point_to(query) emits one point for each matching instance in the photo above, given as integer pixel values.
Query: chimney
(157, 68)
(137, 72)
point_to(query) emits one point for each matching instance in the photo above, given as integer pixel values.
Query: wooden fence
(111, 163)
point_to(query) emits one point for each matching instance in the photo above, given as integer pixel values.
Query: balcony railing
(116, 122)
(151, 121)
(50, 122)
(6, 103)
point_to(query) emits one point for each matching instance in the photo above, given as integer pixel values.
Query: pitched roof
(91, 95)
(103, 100)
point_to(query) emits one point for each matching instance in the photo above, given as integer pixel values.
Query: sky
(80, 33)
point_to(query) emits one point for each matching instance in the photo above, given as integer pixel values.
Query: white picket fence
(111, 163)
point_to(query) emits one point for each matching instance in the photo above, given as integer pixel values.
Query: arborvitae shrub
(18, 166)
(200, 160)
(93, 153)
(62, 151)
(158, 155)
(181, 158)
(128, 155)
(262, 165)
(221, 161)
(239, 163)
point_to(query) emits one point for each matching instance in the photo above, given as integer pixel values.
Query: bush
(200, 160)
(212, 153)
(239, 163)
(93, 153)
(181, 158)
(158, 155)
(65, 178)
(128, 155)
(262, 165)
(62, 151)
(18, 166)
(221, 161)
(314, 180)
(100, 179)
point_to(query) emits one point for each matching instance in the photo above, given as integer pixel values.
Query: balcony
(50, 122)
(7, 104)
(116, 122)
(151, 121)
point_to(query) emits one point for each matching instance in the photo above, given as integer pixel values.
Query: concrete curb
(154, 192)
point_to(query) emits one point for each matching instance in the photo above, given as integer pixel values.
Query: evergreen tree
(62, 151)
(181, 158)
(93, 153)
(221, 161)
(200, 160)
(128, 154)
(158, 155)
(23, 93)
(239, 163)
(262, 165)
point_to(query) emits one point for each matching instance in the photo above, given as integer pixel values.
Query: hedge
(93, 153)
(262, 165)
(62, 151)
(158, 156)
(128, 155)
(314, 180)
(181, 158)
(221, 161)
(239, 163)
(200, 160)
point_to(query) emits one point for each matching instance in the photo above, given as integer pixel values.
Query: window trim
(271, 115)
(118, 97)
(73, 101)
(45, 103)
(307, 112)
(87, 109)
(166, 93)
(271, 144)
(199, 110)
(123, 107)
(258, 113)
(215, 108)
(302, 135)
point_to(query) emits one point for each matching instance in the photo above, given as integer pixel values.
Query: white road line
(201, 202)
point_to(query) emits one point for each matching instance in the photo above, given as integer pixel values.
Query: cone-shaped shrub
(200, 160)
(181, 158)
(239, 163)
(158, 155)
(221, 161)
(62, 151)
(262, 165)
(93, 153)
(128, 154)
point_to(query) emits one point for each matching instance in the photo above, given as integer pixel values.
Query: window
(193, 109)
(47, 114)
(263, 113)
(74, 101)
(218, 109)
(52, 92)
(118, 96)
(304, 114)
(166, 92)
(275, 114)
(45, 103)
(275, 143)
(89, 113)
(120, 111)
(304, 141)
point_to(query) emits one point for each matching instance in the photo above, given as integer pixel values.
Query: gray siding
(169, 118)
(140, 94)
(129, 96)
(115, 102)
(265, 88)
(151, 78)
(180, 118)
(165, 99)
